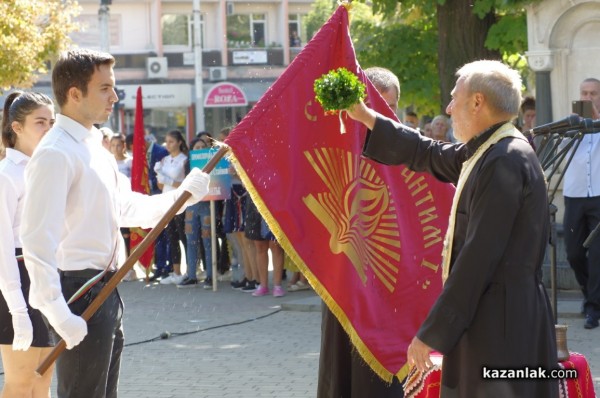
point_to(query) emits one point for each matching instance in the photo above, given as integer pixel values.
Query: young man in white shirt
(76, 200)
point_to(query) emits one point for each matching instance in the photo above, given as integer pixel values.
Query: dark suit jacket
(493, 310)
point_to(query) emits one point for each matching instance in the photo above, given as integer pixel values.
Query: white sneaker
(131, 276)
(226, 277)
(168, 280)
(296, 287)
(172, 279)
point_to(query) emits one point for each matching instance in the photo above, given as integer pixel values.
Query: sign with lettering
(225, 95)
(219, 187)
(247, 57)
(158, 95)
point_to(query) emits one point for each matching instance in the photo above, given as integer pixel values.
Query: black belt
(87, 274)
(19, 254)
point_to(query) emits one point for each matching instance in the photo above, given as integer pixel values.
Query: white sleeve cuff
(56, 311)
(15, 301)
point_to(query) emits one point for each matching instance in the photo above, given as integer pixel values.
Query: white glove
(195, 183)
(20, 319)
(72, 330)
(23, 331)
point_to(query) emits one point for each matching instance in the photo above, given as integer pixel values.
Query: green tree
(320, 12)
(407, 47)
(404, 42)
(424, 42)
(32, 32)
(470, 30)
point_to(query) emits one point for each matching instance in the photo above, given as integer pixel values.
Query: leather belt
(87, 274)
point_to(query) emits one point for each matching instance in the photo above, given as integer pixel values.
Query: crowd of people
(49, 277)
(439, 127)
(243, 238)
(49, 251)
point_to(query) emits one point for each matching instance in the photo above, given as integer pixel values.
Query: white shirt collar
(72, 127)
(16, 156)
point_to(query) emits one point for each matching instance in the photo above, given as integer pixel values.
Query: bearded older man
(493, 310)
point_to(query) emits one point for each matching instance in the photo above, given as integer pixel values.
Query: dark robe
(342, 371)
(493, 310)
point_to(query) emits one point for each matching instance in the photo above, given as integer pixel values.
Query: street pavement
(230, 344)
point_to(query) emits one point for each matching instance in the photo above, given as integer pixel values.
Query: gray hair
(591, 80)
(384, 80)
(500, 84)
(443, 118)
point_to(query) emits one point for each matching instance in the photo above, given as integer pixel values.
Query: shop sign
(249, 57)
(225, 95)
(158, 95)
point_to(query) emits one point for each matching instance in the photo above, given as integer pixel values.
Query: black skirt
(41, 335)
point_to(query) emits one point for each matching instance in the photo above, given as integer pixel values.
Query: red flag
(139, 176)
(367, 236)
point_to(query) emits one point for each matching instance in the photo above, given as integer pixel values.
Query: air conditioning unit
(217, 73)
(157, 67)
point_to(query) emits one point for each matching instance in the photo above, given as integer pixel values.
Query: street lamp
(198, 67)
(103, 17)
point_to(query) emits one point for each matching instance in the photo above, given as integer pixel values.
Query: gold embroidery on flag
(307, 108)
(358, 212)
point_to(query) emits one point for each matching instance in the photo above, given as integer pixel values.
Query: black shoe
(250, 287)
(591, 322)
(238, 285)
(158, 274)
(207, 283)
(188, 282)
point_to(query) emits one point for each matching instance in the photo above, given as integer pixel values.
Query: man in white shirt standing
(582, 210)
(76, 200)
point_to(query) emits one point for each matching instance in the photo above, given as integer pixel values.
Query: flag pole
(129, 263)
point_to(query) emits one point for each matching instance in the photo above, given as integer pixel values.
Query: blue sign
(220, 179)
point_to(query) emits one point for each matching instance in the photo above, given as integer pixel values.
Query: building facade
(245, 47)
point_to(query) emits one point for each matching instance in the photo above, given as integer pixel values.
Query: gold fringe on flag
(287, 246)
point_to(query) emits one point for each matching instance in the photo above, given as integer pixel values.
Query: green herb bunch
(339, 89)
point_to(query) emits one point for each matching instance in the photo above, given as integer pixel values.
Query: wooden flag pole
(130, 262)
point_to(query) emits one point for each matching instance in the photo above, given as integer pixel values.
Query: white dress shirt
(582, 177)
(12, 191)
(125, 166)
(76, 200)
(170, 170)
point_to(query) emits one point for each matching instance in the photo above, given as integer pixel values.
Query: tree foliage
(31, 33)
(411, 55)
(425, 41)
(404, 42)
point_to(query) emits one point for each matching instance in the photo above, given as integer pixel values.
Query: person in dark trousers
(493, 311)
(75, 202)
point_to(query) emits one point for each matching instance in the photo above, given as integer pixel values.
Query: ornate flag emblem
(358, 213)
(367, 236)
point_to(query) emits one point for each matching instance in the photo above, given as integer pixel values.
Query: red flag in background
(367, 236)
(139, 176)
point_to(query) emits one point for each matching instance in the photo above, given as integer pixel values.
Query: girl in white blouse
(24, 336)
(170, 172)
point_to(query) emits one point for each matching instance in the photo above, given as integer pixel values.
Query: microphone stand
(552, 152)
